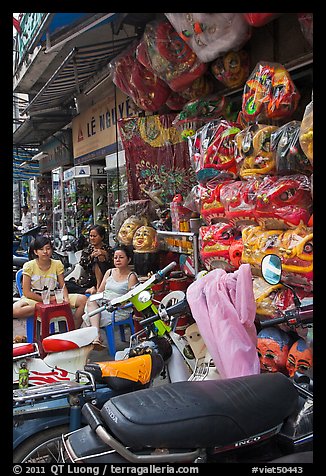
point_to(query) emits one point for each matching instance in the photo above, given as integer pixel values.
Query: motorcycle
(55, 359)
(254, 418)
(158, 323)
(42, 413)
(60, 402)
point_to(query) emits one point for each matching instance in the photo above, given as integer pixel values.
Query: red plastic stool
(50, 312)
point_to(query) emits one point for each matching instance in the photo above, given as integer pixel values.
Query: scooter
(252, 419)
(42, 413)
(159, 323)
(55, 359)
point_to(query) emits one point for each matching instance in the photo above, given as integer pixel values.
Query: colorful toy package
(269, 93)
(290, 158)
(260, 19)
(212, 150)
(146, 89)
(239, 201)
(211, 35)
(211, 207)
(204, 109)
(283, 201)
(254, 153)
(231, 69)
(294, 247)
(214, 245)
(306, 137)
(165, 53)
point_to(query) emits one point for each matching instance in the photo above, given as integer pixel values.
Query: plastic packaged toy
(306, 137)
(239, 201)
(165, 53)
(211, 35)
(204, 109)
(231, 69)
(212, 151)
(290, 158)
(145, 88)
(294, 247)
(254, 153)
(214, 245)
(269, 93)
(260, 19)
(283, 201)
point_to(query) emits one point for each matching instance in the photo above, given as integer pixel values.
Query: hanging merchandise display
(260, 19)
(146, 89)
(157, 159)
(231, 69)
(290, 158)
(145, 245)
(269, 93)
(212, 150)
(306, 132)
(210, 35)
(165, 53)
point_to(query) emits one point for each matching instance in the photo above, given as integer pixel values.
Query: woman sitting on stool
(116, 282)
(43, 273)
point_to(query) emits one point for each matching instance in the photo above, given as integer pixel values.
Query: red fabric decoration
(157, 159)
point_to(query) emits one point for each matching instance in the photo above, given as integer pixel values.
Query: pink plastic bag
(223, 305)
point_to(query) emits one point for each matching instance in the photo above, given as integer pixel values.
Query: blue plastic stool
(30, 319)
(109, 329)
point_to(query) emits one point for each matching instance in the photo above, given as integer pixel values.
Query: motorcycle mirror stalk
(271, 270)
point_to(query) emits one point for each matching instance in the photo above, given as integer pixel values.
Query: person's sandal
(98, 345)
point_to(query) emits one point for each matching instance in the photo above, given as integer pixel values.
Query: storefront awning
(78, 67)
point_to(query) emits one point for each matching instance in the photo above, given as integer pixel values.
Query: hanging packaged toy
(283, 202)
(306, 21)
(211, 207)
(232, 69)
(294, 247)
(168, 56)
(239, 201)
(204, 109)
(254, 151)
(211, 35)
(214, 245)
(212, 151)
(269, 93)
(146, 89)
(260, 19)
(306, 138)
(290, 158)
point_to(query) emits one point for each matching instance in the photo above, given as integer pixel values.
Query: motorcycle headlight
(144, 296)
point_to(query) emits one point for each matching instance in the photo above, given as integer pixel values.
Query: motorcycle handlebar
(293, 317)
(96, 311)
(163, 272)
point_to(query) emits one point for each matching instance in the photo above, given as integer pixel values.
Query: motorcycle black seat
(201, 414)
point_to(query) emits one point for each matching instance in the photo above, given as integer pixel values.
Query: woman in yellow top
(42, 273)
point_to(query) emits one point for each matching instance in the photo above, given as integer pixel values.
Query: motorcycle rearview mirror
(271, 269)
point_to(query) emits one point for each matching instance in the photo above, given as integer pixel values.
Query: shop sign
(57, 152)
(30, 24)
(94, 130)
(77, 172)
(97, 170)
